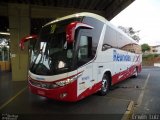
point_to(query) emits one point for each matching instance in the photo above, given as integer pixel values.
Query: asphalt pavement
(150, 105)
(17, 102)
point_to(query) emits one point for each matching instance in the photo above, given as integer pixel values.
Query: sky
(143, 15)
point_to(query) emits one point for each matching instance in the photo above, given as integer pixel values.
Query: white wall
(158, 49)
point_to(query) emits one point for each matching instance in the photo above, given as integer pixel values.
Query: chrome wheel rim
(104, 85)
(135, 72)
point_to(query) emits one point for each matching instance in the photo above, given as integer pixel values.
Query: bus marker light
(63, 95)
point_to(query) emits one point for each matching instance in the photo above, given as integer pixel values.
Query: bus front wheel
(105, 85)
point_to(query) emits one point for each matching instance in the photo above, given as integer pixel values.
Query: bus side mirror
(71, 28)
(25, 39)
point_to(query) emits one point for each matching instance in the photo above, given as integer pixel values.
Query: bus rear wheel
(135, 72)
(105, 85)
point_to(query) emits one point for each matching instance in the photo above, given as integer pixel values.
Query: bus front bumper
(65, 93)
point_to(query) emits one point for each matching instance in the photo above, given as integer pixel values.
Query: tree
(145, 47)
(131, 32)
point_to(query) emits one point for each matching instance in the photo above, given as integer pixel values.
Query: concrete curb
(128, 114)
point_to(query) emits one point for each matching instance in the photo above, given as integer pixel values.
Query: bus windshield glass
(52, 55)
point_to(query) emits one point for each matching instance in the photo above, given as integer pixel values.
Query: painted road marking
(11, 99)
(140, 98)
(130, 108)
(128, 114)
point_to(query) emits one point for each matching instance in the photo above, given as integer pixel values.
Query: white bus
(78, 55)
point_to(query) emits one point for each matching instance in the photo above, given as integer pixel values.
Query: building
(155, 49)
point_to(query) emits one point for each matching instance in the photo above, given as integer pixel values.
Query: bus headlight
(65, 82)
(68, 81)
(61, 83)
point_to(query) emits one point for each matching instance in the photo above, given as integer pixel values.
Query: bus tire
(135, 72)
(105, 85)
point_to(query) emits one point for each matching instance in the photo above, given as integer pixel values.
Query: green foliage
(145, 47)
(149, 59)
(150, 56)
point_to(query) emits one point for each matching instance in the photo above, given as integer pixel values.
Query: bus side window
(110, 39)
(84, 50)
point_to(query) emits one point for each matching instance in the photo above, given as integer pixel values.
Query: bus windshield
(52, 55)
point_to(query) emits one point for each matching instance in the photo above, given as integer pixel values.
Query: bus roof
(98, 17)
(102, 19)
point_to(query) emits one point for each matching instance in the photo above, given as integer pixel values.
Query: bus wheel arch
(106, 83)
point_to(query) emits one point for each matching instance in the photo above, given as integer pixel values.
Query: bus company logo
(120, 57)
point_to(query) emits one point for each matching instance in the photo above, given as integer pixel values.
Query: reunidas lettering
(120, 57)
